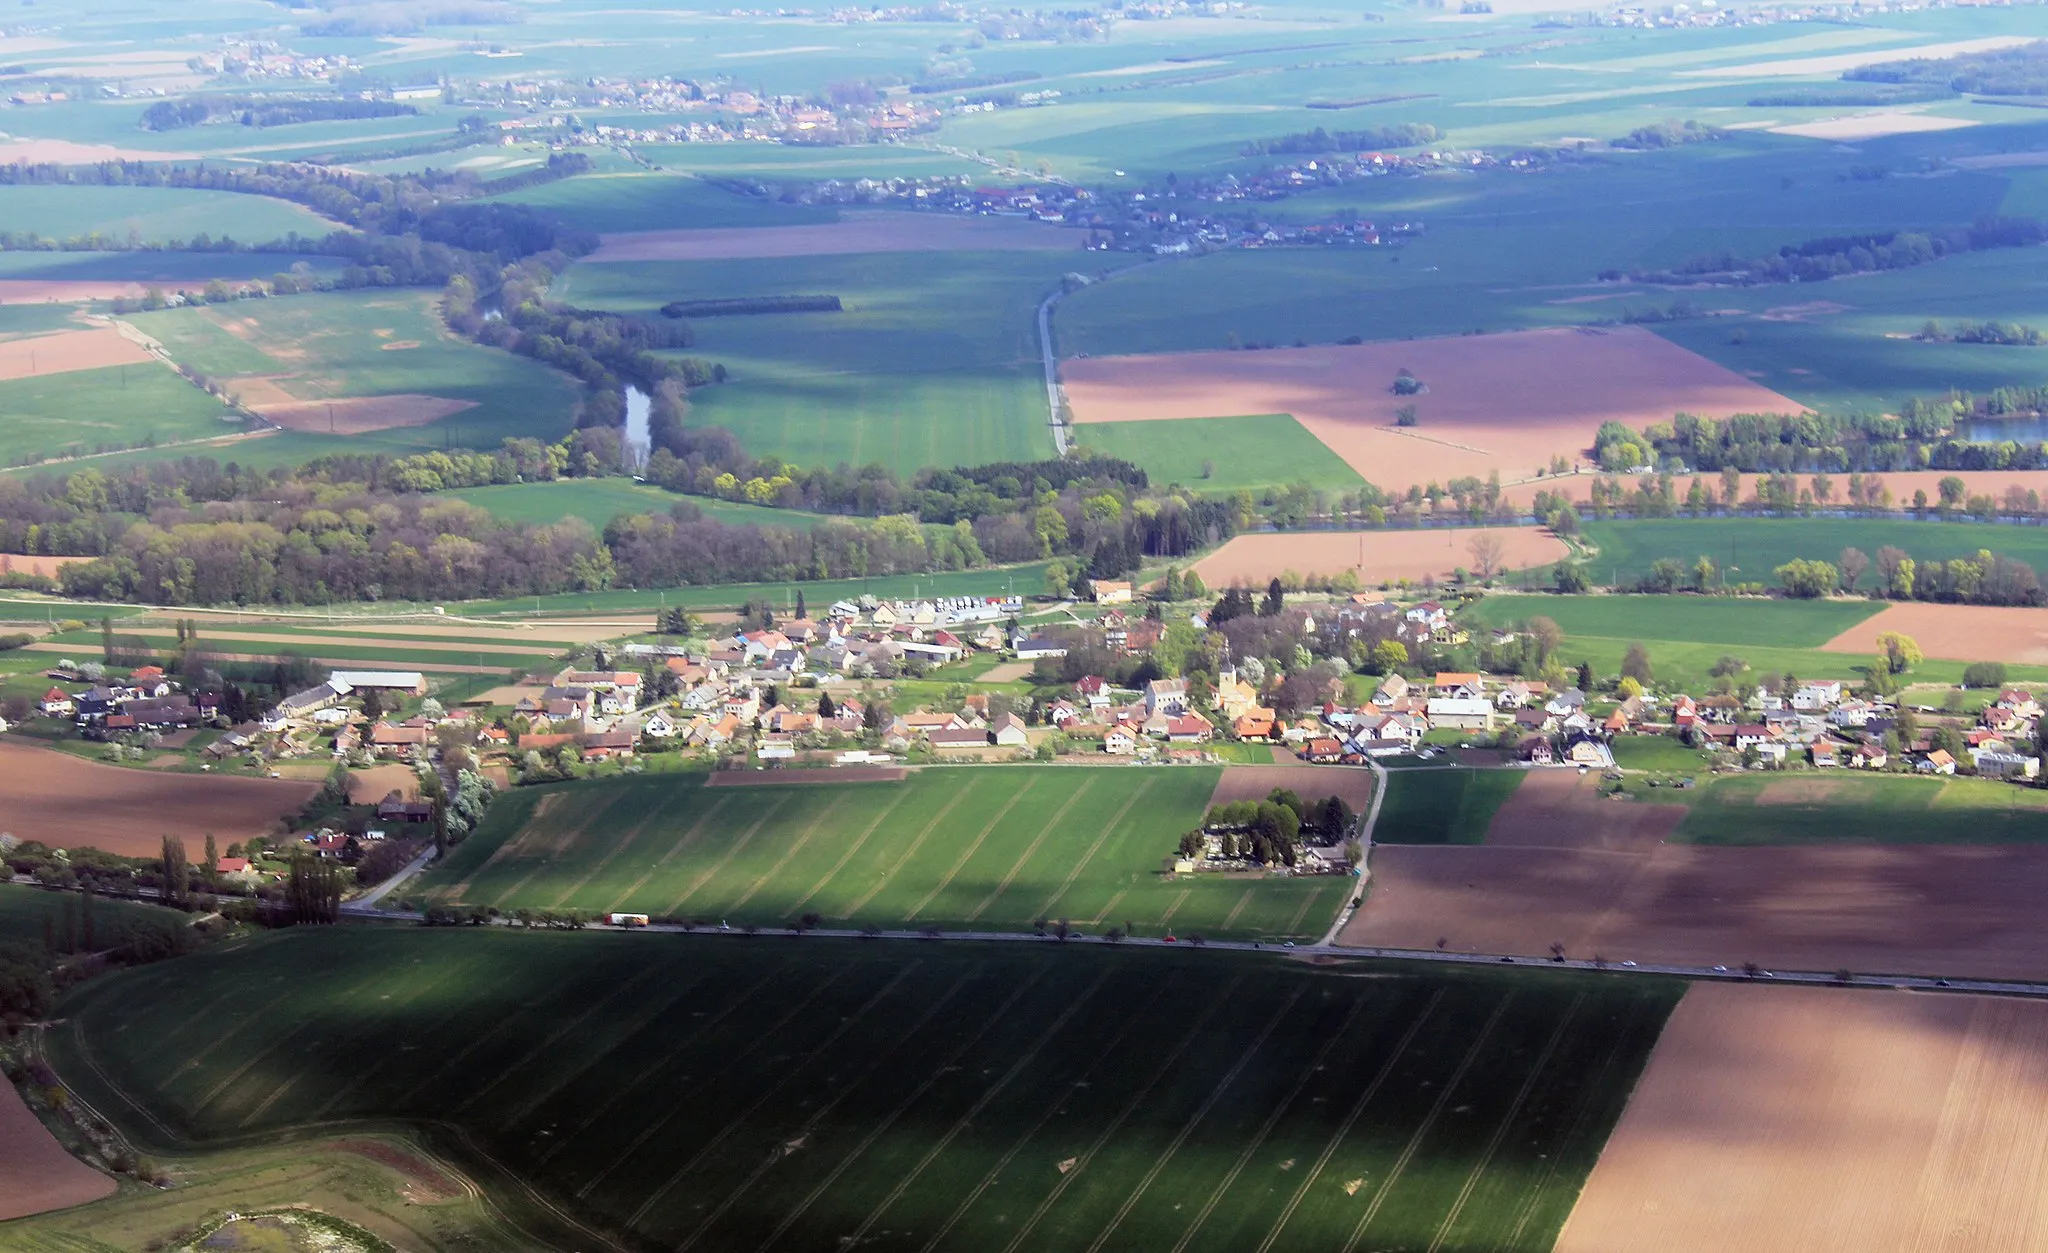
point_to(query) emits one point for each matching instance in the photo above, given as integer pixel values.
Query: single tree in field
(174, 872)
(826, 709)
(209, 870)
(1852, 563)
(1585, 676)
(1276, 600)
(1488, 550)
(800, 614)
(1635, 664)
(1900, 651)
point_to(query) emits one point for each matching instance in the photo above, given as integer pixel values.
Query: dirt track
(36, 1174)
(855, 232)
(1376, 556)
(67, 351)
(1254, 783)
(1495, 402)
(1956, 632)
(68, 802)
(1562, 866)
(1799, 1120)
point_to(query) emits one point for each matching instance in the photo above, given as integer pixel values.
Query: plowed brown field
(355, 414)
(1803, 1120)
(855, 232)
(1956, 632)
(68, 802)
(1495, 402)
(1375, 556)
(47, 566)
(66, 351)
(36, 1174)
(1560, 865)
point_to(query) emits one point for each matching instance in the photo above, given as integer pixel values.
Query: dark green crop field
(985, 848)
(814, 1095)
(1452, 806)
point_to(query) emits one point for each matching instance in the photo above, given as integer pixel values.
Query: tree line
(1400, 135)
(1817, 260)
(262, 111)
(2021, 71)
(1919, 437)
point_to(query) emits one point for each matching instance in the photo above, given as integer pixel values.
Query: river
(637, 443)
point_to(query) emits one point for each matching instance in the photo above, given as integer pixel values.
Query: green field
(1695, 619)
(934, 360)
(700, 1094)
(23, 911)
(153, 215)
(598, 501)
(124, 406)
(1883, 809)
(1656, 753)
(333, 345)
(970, 848)
(1250, 452)
(660, 202)
(1757, 546)
(779, 163)
(1443, 806)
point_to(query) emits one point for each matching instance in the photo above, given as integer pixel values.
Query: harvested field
(1007, 672)
(1495, 402)
(66, 152)
(367, 787)
(1956, 632)
(855, 232)
(130, 810)
(46, 566)
(1782, 1120)
(1805, 67)
(785, 778)
(66, 351)
(260, 389)
(1374, 556)
(1873, 125)
(355, 414)
(36, 1173)
(1254, 783)
(17, 291)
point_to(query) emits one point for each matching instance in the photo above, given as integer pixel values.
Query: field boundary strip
(797, 846)
(882, 881)
(1308, 1075)
(789, 1073)
(1101, 837)
(1507, 1120)
(788, 1016)
(696, 1030)
(1037, 840)
(972, 848)
(1428, 1124)
(960, 1124)
(809, 1125)
(1194, 1120)
(1052, 1109)
(851, 850)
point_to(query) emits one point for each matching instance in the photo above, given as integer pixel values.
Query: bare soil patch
(257, 390)
(1255, 783)
(1873, 125)
(1784, 1120)
(855, 232)
(426, 1182)
(828, 774)
(37, 1174)
(367, 787)
(68, 802)
(1374, 556)
(1806, 67)
(398, 345)
(1007, 672)
(48, 567)
(1495, 402)
(355, 414)
(66, 351)
(1956, 632)
(65, 152)
(1563, 809)
(1803, 791)
(510, 694)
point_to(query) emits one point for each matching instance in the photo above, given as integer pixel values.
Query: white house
(658, 726)
(1817, 695)
(1166, 696)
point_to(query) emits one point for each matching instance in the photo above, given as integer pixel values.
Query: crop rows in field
(802, 1095)
(987, 848)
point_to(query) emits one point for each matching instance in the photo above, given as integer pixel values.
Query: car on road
(1720, 970)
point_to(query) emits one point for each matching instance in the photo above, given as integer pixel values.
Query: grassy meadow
(991, 848)
(609, 203)
(25, 911)
(82, 412)
(153, 215)
(803, 1094)
(933, 361)
(1757, 546)
(1442, 806)
(1246, 453)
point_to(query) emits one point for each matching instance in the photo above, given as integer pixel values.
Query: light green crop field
(89, 411)
(781, 163)
(333, 345)
(334, 645)
(642, 201)
(1025, 580)
(153, 214)
(1251, 452)
(1861, 808)
(1448, 806)
(1760, 545)
(1656, 754)
(171, 271)
(934, 360)
(969, 848)
(801, 1095)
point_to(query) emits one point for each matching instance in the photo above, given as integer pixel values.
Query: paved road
(1365, 830)
(1048, 356)
(367, 902)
